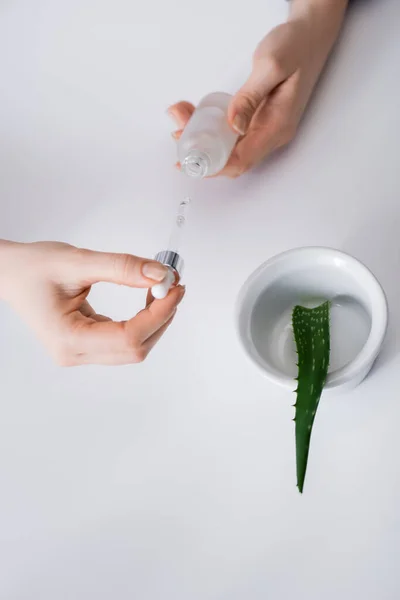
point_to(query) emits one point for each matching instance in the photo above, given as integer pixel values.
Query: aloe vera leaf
(311, 327)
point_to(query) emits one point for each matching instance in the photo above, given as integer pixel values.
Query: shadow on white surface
(376, 243)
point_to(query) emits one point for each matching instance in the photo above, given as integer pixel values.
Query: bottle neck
(196, 164)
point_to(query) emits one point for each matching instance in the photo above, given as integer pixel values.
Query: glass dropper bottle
(208, 139)
(171, 257)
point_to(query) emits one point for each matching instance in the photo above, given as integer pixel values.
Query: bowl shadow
(376, 243)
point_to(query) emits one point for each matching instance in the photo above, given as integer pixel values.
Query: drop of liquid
(180, 221)
(182, 210)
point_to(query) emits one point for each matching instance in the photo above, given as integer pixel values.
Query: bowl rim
(379, 319)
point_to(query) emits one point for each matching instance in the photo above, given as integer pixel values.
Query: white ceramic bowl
(309, 276)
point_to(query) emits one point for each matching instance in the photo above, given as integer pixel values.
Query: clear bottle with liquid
(207, 140)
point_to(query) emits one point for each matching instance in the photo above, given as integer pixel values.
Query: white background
(175, 479)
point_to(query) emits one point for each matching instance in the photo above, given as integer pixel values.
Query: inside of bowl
(271, 320)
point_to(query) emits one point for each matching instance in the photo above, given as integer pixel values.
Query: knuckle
(135, 350)
(248, 102)
(66, 349)
(138, 355)
(63, 358)
(81, 256)
(275, 67)
(82, 253)
(123, 265)
(270, 65)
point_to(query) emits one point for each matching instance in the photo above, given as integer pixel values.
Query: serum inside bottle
(207, 141)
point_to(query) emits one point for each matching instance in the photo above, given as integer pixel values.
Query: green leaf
(311, 327)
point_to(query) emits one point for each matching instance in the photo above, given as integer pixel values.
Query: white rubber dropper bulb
(160, 290)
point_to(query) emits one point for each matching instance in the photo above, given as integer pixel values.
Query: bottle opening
(196, 165)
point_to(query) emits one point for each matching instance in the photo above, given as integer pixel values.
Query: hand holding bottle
(266, 111)
(48, 283)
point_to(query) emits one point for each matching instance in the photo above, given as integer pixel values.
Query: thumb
(122, 269)
(264, 78)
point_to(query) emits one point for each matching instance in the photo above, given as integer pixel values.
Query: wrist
(311, 8)
(322, 20)
(319, 15)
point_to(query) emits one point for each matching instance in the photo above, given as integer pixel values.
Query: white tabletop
(175, 479)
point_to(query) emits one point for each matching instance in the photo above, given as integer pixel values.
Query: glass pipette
(171, 257)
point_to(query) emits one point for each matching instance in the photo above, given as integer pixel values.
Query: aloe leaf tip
(311, 327)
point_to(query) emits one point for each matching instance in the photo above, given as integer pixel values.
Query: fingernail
(169, 112)
(240, 124)
(155, 271)
(177, 134)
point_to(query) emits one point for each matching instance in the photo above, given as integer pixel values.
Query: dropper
(179, 225)
(171, 257)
